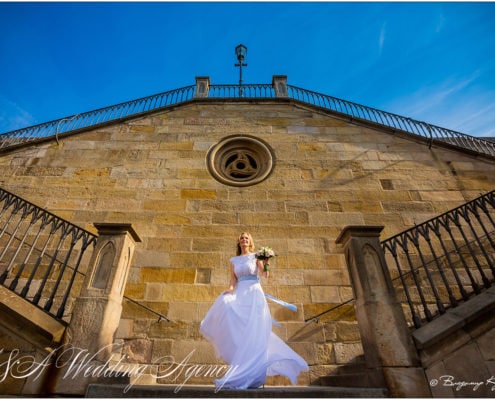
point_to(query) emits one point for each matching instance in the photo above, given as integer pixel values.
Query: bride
(239, 326)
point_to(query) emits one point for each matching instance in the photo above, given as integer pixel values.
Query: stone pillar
(202, 86)
(96, 315)
(279, 83)
(390, 356)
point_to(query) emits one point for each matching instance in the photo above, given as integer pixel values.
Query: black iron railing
(431, 132)
(316, 318)
(444, 260)
(102, 116)
(44, 258)
(257, 91)
(41, 254)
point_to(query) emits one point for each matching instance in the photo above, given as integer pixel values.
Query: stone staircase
(348, 381)
(351, 375)
(102, 390)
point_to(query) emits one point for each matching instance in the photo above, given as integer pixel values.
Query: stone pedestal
(86, 354)
(390, 356)
(202, 86)
(279, 83)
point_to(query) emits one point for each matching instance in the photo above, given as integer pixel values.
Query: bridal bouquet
(265, 253)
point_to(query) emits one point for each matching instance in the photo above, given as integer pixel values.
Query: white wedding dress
(239, 326)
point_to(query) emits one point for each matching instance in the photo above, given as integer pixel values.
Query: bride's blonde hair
(251, 243)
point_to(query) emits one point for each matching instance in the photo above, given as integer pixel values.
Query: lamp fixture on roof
(241, 53)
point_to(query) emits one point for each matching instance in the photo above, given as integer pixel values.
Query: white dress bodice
(244, 265)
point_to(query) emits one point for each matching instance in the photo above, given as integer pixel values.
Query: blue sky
(434, 62)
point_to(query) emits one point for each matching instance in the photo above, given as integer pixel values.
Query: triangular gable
(278, 90)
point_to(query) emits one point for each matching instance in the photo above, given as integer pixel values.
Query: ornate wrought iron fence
(41, 255)
(432, 133)
(74, 123)
(43, 258)
(257, 91)
(444, 260)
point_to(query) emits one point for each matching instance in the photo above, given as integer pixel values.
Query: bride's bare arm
(233, 280)
(261, 269)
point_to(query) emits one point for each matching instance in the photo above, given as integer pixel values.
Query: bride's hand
(229, 291)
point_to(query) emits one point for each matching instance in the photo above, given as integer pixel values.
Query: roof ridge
(277, 90)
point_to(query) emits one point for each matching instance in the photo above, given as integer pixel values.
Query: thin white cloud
(434, 96)
(13, 117)
(440, 23)
(381, 38)
(469, 117)
(458, 104)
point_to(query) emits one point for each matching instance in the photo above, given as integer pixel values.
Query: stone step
(206, 391)
(350, 375)
(345, 380)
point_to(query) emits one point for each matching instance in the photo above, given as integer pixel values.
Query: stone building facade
(318, 172)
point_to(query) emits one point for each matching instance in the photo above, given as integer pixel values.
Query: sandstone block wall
(457, 350)
(328, 173)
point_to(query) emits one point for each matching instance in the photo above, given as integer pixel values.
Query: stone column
(279, 83)
(97, 310)
(390, 356)
(202, 86)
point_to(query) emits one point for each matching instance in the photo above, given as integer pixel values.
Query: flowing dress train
(239, 326)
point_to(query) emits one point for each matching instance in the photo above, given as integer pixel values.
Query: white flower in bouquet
(265, 253)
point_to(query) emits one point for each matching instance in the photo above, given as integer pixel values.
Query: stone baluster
(279, 83)
(202, 86)
(89, 338)
(391, 359)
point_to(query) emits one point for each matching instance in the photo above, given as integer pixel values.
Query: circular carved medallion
(240, 161)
